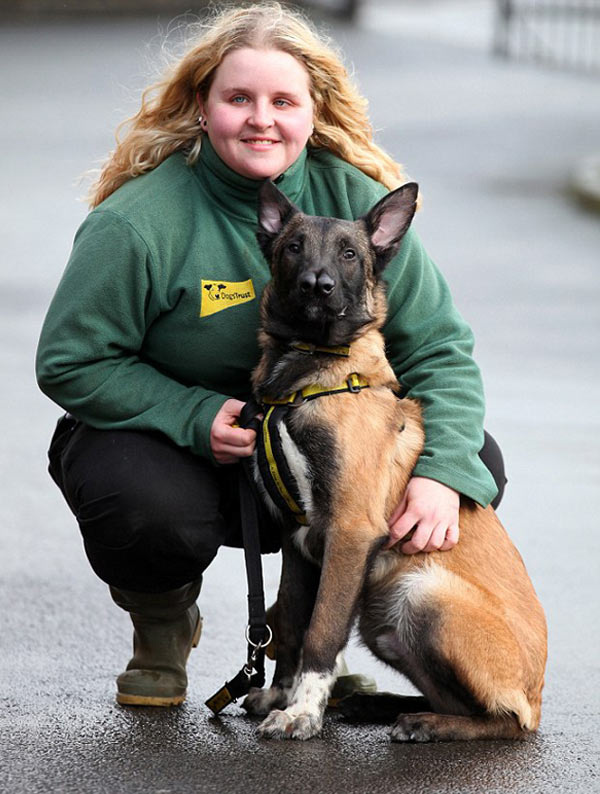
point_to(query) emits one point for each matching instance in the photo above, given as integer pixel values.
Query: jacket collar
(238, 195)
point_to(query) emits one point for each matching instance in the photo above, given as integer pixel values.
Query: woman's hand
(430, 507)
(228, 442)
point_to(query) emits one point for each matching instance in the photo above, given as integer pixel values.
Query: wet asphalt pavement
(492, 145)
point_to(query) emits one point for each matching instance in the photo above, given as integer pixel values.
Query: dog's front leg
(289, 618)
(342, 577)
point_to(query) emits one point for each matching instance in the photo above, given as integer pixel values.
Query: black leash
(258, 633)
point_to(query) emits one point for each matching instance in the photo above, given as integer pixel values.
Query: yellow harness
(276, 475)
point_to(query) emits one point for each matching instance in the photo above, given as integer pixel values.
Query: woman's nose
(261, 117)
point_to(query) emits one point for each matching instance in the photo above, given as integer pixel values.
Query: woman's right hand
(228, 442)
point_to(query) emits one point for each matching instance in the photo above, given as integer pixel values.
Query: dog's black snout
(307, 282)
(325, 284)
(311, 283)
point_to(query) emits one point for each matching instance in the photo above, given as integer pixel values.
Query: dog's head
(327, 273)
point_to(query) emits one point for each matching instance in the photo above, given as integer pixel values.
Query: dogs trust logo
(219, 295)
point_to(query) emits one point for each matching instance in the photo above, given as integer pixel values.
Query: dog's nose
(311, 283)
(308, 282)
(325, 284)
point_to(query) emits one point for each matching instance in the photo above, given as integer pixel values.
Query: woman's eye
(349, 253)
(294, 248)
(238, 99)
(281, 102)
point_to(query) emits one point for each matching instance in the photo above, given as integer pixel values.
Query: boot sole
(124, 699)
(144, 700)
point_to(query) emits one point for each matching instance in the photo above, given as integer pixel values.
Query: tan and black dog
(465, 625)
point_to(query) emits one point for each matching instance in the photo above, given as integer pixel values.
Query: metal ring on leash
(259, 644)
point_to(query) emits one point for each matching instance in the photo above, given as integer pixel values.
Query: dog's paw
(261, 701)
(289, 725)
(415, 728)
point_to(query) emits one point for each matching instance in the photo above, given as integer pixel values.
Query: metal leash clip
(251, 675)
(254, 649)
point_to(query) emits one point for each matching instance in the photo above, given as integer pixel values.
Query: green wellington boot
(347, 684)
(166, 626)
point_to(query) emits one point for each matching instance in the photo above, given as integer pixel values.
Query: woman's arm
(90, 358)
(430, 348)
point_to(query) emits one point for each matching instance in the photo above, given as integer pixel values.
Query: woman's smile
(259, 111)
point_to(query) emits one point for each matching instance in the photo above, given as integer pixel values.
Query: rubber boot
(166, 626)
(348, 684)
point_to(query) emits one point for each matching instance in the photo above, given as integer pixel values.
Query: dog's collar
(353, 383)
(310, 349)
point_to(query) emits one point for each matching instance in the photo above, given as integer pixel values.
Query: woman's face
(259, 111)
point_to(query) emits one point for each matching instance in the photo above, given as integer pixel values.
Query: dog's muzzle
(312, 283)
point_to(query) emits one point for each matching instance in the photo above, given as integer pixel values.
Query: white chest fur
(299, 468)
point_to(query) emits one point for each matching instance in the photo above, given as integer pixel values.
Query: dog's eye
(349, 253)
(294, 248)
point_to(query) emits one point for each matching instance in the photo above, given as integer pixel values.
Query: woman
(151, 337)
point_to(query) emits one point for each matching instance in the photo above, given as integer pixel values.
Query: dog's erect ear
(388, 221)
(274, 210)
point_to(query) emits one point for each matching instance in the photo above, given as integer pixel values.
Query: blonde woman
(151, 337)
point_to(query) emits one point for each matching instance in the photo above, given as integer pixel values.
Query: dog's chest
(296, 465)
(299, 466)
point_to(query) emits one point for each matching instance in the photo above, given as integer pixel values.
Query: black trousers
(153, 515)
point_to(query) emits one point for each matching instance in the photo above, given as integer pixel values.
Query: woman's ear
(201, 113)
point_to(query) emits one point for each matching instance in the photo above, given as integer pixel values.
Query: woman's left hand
(432, 509)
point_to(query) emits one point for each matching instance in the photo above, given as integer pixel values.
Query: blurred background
(494, 108)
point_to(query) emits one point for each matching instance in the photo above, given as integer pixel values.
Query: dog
(465, 625)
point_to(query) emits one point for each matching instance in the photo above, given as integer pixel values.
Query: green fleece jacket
(153, 325)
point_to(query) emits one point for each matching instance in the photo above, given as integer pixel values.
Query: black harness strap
(277, 479)
(275, 473)
(258, 633)
(257, 615)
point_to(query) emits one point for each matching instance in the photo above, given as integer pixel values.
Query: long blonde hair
(168, 118)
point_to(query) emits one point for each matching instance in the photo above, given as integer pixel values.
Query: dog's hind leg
(289, 618)
(473, 696)
(429, 727)
(469, 655)
(344, 567)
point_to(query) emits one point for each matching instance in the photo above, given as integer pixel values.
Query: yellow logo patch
(219, 295)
